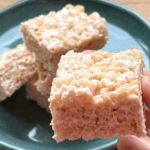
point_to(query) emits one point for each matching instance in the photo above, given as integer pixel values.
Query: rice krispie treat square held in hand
(97, 95)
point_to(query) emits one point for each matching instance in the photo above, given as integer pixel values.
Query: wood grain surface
(5, 3)
(141, 6)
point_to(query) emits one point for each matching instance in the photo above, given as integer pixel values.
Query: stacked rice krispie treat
(50, 36)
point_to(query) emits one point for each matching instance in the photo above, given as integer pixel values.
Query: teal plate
(23, 125)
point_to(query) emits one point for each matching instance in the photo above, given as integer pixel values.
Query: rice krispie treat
(33, 94)
(52, 35)
(17, 66)
(97, 95)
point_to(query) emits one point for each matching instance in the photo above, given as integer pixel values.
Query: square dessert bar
(50, 36)
(17, 66)
(97, 95)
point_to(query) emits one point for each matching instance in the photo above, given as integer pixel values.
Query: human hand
(130, 142)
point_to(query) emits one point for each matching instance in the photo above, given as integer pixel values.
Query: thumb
(146, 89)
(131, 142)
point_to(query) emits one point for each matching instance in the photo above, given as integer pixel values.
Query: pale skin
(131, 142)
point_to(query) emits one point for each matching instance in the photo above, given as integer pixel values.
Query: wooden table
(141, 6)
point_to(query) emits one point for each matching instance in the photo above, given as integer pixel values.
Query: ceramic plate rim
(115, 5)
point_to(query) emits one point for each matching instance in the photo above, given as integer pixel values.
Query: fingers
(133, 143)
(146, 89)
(146, 73)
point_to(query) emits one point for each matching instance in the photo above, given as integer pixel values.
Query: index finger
(146, 88)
